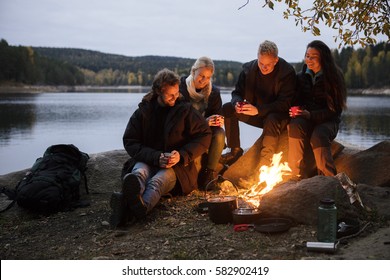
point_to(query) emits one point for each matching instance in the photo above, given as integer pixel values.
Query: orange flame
(269, 177)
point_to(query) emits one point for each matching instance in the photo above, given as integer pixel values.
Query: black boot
(232, 156)
(206, 179)
(120, 213)
(131, 192)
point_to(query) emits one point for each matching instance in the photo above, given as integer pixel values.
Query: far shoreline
(140, 89)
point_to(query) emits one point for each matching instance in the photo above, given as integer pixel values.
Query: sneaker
(232, 156)
(131, 191)
(119, 214)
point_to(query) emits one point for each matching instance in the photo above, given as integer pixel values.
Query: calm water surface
(95, 122)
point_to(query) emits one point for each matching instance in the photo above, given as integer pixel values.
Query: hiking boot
(131, 191)
(119, 215)
(206, 179)
(232, 156)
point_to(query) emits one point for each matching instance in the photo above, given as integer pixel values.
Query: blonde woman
(198, 89)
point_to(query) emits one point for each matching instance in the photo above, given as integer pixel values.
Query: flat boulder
(371, 166)
(299, 201)
(104, 171)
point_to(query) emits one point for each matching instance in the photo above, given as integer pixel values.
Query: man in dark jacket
(262, 98)
(163, 137)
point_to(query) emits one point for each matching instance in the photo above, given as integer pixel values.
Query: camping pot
(245, 215)
(221, 208)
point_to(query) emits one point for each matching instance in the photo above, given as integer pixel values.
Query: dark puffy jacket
(283, 90)
(185, 130)
(315, 98)
(214, 105)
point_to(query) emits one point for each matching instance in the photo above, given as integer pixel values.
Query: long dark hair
(333, 76)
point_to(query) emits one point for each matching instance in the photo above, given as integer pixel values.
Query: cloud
(155, 27)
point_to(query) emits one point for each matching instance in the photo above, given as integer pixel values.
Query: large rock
(371, 166)
(299, 201)
(104, 171)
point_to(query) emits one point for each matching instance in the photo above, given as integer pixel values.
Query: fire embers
(268, 178)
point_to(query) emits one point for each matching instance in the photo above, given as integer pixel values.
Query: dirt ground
(174, 230)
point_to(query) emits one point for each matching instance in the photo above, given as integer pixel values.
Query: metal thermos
(327, 221)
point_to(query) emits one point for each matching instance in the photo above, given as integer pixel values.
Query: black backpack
(53, 183)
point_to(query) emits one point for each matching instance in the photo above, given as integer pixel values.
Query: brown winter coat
(185, 130)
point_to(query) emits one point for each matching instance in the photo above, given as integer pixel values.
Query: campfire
(268, 178)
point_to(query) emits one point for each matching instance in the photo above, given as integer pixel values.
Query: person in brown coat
(163, 137)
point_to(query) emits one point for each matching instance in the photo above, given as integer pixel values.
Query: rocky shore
(174, 230)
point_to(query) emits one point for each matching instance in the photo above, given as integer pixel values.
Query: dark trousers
(272, 124)
(216, 147)
(310, 147)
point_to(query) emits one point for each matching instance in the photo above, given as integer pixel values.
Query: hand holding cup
(168, 160)
(216, 120)
(295, 111)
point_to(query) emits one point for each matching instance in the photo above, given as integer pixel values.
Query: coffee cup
(294, 110)
(242, 103)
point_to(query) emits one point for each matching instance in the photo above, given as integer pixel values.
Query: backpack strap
(85, 182)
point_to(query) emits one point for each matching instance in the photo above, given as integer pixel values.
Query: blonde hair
(201, 62)
(268, 48)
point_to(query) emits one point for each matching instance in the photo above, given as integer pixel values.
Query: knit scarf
(200, 99)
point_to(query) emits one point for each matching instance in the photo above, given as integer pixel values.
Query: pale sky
(180, 28)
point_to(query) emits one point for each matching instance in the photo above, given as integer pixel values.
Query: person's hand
(246, 109)
(306, 114)
(167, 160)
(299, 112)
(216, 120)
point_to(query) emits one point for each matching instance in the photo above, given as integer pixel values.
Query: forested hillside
(363, 68)
(109, 69)
(24, 65)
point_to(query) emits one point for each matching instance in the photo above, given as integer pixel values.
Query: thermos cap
(327, 201)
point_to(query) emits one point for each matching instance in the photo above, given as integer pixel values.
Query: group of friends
(182, 119)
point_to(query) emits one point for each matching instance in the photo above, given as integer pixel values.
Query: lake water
(95, 122)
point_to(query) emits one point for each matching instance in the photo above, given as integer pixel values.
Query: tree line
(23, 65)
(115, 70)
(363, 68)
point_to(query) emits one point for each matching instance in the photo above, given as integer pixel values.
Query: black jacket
(185, 130)
(278, 99)
(315, 99)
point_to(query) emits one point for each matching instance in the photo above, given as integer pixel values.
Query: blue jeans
(154, 181)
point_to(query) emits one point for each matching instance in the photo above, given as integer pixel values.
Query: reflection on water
(366, 122)
(95, 122)
(17, 117)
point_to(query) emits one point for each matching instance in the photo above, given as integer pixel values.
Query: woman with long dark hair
(315, 118)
